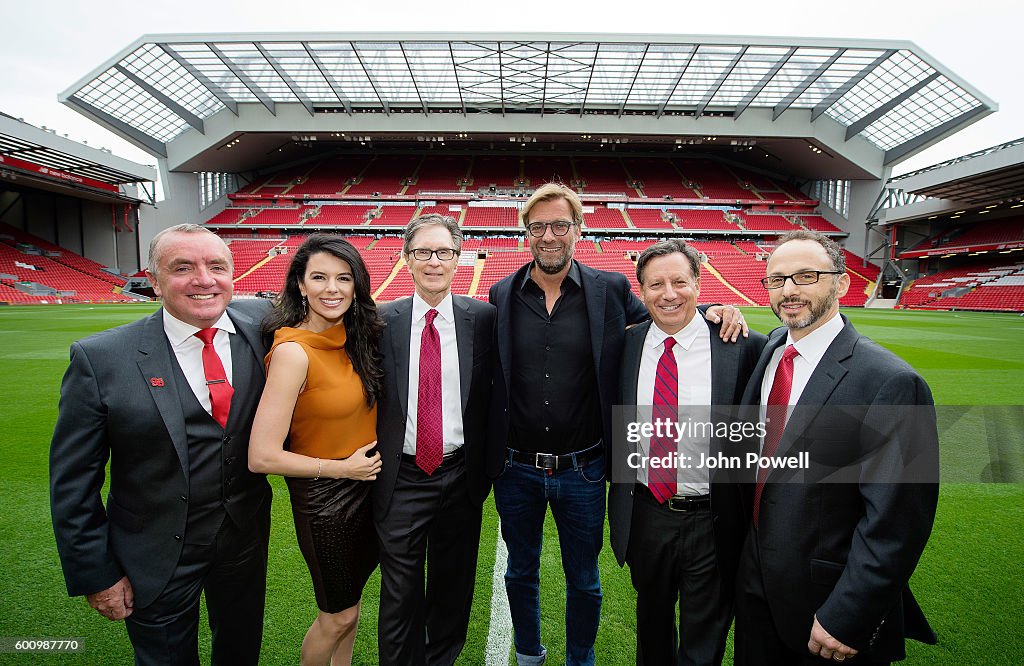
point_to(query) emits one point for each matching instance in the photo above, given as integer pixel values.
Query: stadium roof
(891, 93)
(988, 176)
(39, 155)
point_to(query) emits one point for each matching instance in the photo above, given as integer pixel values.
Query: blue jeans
(577, 498)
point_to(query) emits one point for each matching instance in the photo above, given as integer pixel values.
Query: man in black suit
(173, 414)
(831, 548)
(679, 530)
(560, 331)
(431, 430)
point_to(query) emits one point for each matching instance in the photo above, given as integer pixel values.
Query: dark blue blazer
(611, 307)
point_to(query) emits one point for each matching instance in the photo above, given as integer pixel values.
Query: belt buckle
(537, 461)
(680, 504)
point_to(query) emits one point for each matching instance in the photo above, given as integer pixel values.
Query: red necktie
(778, 404)
(216, 378)
(429, 425)
(662, 480)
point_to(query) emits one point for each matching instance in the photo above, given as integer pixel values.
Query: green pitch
(969, 580)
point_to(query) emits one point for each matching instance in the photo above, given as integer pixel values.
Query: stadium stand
(765, 222)
(384, 175)
(648, 218)
(604, 218)
(702, 220)
(602, 175)
(440, 173)
(491, 216)
(658, 178)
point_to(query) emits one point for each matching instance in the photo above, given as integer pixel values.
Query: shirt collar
(445, 309)
(574, 274)
(684, 337)
(814, 345)
(178, 331)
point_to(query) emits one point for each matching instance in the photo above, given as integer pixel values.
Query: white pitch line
(499, 635)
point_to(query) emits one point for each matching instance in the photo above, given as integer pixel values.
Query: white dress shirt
(451, 386)
(810, 349)
(188, 349)
(693, 364)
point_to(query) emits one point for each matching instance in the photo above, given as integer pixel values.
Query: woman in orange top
(316, 426)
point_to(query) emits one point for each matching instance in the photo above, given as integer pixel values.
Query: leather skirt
(334, 527)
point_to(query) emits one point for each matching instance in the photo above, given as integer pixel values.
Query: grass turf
(969, 580)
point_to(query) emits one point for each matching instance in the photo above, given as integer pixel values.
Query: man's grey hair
(666, 247)
(832, 248)
(435, 219)
(154, 245)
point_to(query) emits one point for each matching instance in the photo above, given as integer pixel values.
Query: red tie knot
(790, 353)
(670, 342)
(431, 315)
(206, 335)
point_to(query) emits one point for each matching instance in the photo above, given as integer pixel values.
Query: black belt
(677, 502)
(550, 461)
(447, 459)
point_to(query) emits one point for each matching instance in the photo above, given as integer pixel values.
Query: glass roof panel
(531, 76)
(154, 65)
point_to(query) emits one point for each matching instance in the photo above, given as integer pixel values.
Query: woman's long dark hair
(363, 326)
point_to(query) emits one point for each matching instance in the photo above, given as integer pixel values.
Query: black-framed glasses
(803, 278)
(558, 228)
(443, 254)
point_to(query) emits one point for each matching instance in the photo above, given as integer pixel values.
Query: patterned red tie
(778, 404)
(662, 480)
(216, 378)
(429, 424)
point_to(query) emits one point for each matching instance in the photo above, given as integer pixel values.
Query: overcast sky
(47, 46)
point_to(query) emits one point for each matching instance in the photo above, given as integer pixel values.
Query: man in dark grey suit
(682, 546)
(172, 412)
(431, 429)
(831, 547)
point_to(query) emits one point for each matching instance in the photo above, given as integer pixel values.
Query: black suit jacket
(846, 551)
(731, 367)
(119, 402)
(474, 332)
(611, 307)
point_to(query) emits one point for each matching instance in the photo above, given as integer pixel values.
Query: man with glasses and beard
(560, 332)
(824, 571)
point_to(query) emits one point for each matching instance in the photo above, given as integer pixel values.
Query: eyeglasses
(802, 278)
(558, 228)
(443, 254)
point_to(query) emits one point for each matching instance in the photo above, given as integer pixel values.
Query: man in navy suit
(824, 572)
(681, 539)
(184, 515)
(560, 331)
(428, 514)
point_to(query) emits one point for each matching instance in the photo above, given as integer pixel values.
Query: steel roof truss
(192, 119)
(288, 81)
(151, 143)
(369, 77)
(864, 121)
(639, 66)
(458, 84)
(214, 89)
(675, 84)
(897, 152)
(246, 81)
(335, 86)
(412, 77)
(796, 92)
(839, 92)
(713, 90)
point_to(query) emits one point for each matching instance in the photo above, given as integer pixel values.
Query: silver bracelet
(319, 467)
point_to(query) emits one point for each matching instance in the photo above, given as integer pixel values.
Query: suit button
(547, 402)
(227, 439)
(228, 461)
(177, 537)
(183, 498)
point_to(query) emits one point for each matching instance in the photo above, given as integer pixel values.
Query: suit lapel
(400, 326)
(503, 296)
(752, 394)
(157, 368)
(631, 357)
(594, 290)
(464, 329)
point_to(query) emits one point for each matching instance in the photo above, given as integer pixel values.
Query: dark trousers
(232, 571)
(431, 521)
(671, 557)
(756, 640)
